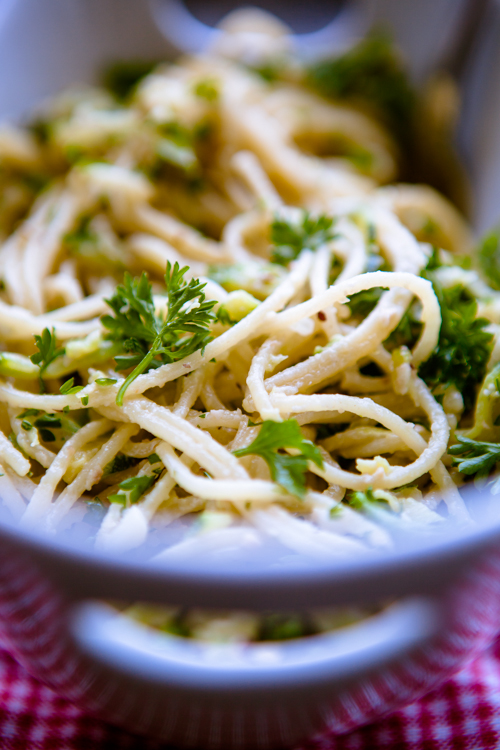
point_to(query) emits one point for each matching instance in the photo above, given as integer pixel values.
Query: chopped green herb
(48, 351)
(105, 381)
(464, 346)
(290, 238)
(26, 425)
(47, 436)
(154, 458)
(29, 413)
(151, 340)
(66, 409)
(475, 457)
(132, 489)
(288, 471)
(119, 463)
(85, 400)
(207, 89)
(121, 78)
(369, 73)
(68, 389)
(364, 302)
(49, 420)
(489, 257)
(364, 501)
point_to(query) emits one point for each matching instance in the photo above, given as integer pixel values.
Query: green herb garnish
(288, 471)
(121, 78)
(475, 457)
(489, 258)
(290, 238)
(131, 490)
(48, 351)
(149, 339)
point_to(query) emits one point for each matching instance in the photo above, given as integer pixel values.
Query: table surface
(462, 715)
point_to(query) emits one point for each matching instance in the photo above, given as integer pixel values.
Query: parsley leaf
(48, 351)
(489, 258)
(149, 340)
(475, 457)
(288, 471)
(290, 238)
(464, 347)
(365, 500)
(131, 490)
(121, 78)
(371, 73)
(67, 388)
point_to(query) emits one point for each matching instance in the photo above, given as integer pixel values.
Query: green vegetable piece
(283, 627)
(154, 458)
(366, 501)
(85, 400)
(17, 366)
(47, 436)
(369, 73)
(29, 413)
(132, 489)
(119, 463)
(26, 425)
(489, 257)
(48, 351)
(49, 420)
(105, 381)
(473, 457)
(288, 471)
(464, 347)
(150, 340)
(207, 89)
(121, 78)
(259, 279)
(290, 239)
(362, 303)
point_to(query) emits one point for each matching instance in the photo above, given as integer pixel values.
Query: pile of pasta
(204, 165)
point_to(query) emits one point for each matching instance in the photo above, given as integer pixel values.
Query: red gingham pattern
(462, 715)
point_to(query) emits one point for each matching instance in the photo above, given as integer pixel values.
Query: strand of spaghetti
(89, 475)
(351, 247)
(41, 251)
(191, 387)
(10, 495)
(319, 283)
(218, 418)
(430, 317)
(301, 535)
(255, 380)
(155, 253)
(18, 324)
(62, 286)
(405, 200)
(249, 326)
(129, 529)
(11, 253)
(29, 441)
(183, 237)
(249, 167)
(232, 490)
(13, 457)
(44, 401)
(140, 450)
(196, 443)
(390, 476)
(42, 497)
(345, 352)
(233, 235)
(90, 307)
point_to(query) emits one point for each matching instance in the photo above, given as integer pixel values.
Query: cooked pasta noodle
(306, 392)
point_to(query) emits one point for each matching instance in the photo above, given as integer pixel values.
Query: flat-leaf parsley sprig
(152, 340)
(291, 237)
(475, 457)
(288, 471)
(47, 352)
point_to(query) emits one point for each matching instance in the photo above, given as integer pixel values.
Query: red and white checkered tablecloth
(463, 715)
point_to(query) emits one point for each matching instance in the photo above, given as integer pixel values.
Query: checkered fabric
(463, 715)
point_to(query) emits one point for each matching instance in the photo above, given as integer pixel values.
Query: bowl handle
(115, 643)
